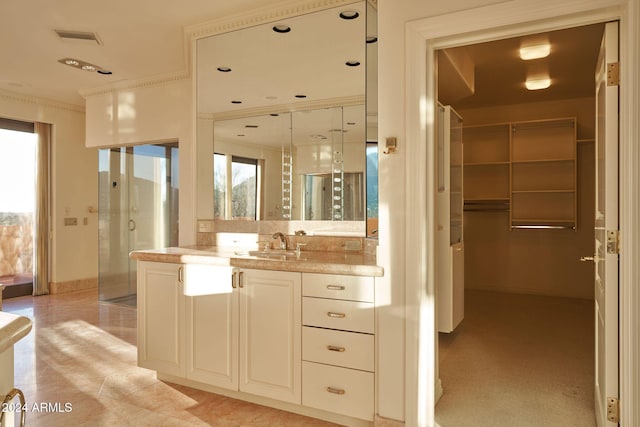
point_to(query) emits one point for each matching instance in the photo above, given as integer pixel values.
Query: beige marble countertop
(355, 264)
(12, 329)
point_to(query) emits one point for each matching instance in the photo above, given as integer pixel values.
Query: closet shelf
(568, 190)
(543, 161)
(505, 163)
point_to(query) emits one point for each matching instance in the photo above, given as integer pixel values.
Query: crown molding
(42, 102)
(346, 101)
(261, 15)
(137, 83)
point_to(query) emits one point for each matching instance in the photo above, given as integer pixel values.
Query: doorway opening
(137, 209)
(525, 348)
(18, 145)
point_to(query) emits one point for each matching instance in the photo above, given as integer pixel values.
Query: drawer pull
(335, 390)
(336, 348)
(335, 287)
(338, 315)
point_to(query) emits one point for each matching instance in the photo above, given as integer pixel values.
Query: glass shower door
(138, 209)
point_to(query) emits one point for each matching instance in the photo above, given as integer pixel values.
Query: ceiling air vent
(78, 36)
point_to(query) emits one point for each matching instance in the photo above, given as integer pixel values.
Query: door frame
(496, 21)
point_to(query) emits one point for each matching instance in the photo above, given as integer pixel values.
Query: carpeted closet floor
(518, 360)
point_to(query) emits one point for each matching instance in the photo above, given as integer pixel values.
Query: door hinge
(613, 409)
(613, 241)
(613, 74)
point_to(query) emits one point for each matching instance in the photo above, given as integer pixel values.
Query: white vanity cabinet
(303, 342)
(338, 344)
(246, 340)
(161, 325)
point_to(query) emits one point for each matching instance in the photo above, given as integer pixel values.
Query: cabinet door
(160, 317)
(270, 334)
(212, 339)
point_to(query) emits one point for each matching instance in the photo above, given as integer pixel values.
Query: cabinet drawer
(339, 348)
(354, 288)
(340, 390)
(336, 314)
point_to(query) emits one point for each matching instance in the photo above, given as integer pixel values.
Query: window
(372, 189)
(236, 187)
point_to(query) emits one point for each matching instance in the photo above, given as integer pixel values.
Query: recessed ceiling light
(82, 65)
(301, 96)
(236, 102)
(535, 52)
(372, 39)
(349, 14)
(537, 83)
(280, 28)
(224, 69)
(352, 63)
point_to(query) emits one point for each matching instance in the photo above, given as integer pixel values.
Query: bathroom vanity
(12, 329)
(294, 332)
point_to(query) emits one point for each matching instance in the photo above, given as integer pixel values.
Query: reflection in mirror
(248, 167)
(262, 74)
(328, 148)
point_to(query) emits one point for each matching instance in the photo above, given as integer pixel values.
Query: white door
(212, 339)
(270, 334)
(606, 228)
(160, 317)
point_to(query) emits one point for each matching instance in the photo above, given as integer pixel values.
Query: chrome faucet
(283, 239)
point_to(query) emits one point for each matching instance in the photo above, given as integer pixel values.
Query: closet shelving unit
(528, 168)
(449, 236)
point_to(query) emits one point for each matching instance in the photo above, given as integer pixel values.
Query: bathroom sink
(273, 253)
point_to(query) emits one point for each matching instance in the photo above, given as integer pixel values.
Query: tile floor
(83, 353)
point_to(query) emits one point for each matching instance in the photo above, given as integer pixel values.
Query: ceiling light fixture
(280, 28)
(82, 65)
(349, 14)
(537, 83)
(528, 53)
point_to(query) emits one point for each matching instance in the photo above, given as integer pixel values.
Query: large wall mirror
(284, 118)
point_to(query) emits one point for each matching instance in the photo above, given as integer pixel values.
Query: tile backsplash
(319, 236)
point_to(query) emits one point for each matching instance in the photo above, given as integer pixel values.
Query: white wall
(74, 183)
(393, 17)
(150, 112)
